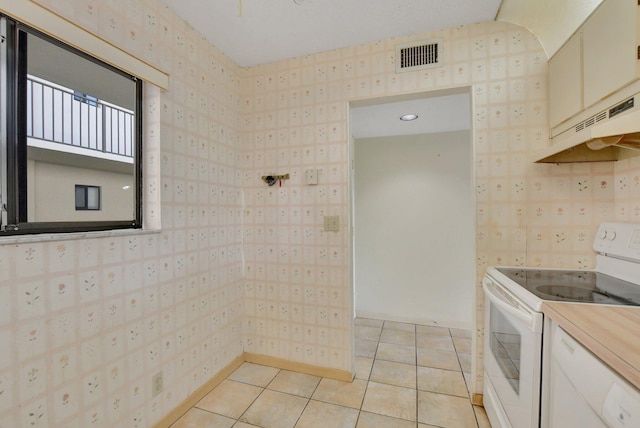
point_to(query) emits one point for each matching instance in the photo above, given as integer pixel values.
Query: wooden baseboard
(293, 366)
(477, 400)
(279, 363)
(199, 394)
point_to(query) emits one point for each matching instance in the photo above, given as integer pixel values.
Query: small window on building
(87, 197)
(66, 118)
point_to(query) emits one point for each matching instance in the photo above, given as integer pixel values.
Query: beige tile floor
(407, 375)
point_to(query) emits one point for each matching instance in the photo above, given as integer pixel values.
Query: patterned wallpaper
(526, 214)
(239, 266)
(627, 190)
(86, 323)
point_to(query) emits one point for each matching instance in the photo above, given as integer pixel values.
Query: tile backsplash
(242, 267)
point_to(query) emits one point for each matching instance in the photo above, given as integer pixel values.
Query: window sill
(49, 237)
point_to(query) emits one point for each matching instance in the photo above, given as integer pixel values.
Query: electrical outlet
(332, 223)
(156, 384)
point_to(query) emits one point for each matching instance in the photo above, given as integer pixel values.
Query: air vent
(418, 55)
(606, 114)
(589, 122)
(601, 116)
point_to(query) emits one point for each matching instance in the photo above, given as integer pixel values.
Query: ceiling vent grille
(418, 55)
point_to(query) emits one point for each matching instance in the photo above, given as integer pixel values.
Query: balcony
(62, 120)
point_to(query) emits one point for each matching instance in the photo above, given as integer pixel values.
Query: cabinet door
(565, 81)
(610, 51)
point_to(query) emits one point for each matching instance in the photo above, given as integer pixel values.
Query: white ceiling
(255, 32)
(442, 113)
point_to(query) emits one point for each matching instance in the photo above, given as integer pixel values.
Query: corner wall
(298, 284)
(86, 323)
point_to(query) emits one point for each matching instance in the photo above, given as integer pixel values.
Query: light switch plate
(332, 223)
(311, 176)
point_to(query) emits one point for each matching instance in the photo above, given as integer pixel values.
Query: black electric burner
(575, 286)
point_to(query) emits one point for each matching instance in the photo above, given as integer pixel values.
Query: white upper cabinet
(565, 81)
(600, 58)
(610, 49)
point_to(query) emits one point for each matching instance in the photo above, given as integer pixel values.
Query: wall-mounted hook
(272, 179)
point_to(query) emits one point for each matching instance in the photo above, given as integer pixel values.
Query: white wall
(414, 229)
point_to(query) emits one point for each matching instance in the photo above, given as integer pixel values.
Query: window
(66, 118)
(87, 197)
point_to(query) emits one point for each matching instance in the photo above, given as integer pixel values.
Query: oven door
(512, 359)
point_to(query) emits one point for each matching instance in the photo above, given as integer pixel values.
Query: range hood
(605, 136)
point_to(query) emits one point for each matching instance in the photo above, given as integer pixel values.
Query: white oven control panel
(618, 239)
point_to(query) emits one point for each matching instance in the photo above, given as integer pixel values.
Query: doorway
(413, 209)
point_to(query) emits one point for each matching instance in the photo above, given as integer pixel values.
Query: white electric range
(514, 322)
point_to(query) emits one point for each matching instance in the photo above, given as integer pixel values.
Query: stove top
(574, 286)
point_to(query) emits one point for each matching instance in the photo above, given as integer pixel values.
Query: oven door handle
(508, 304)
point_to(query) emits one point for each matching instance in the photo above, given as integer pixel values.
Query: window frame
(13, 149)
(85, 190)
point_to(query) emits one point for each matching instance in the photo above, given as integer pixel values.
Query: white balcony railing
(60, 115)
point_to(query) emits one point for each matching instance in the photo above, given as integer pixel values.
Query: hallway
(407, 375)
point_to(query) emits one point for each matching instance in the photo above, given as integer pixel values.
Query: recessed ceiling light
(408, 117)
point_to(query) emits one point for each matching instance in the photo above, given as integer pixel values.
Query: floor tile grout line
(249, 406)
(468, 397)
(204, 410)
(302, 412)
(264, 388)
(368, 380)
(415, 365)
(366, 388)
(416, 361)
(446, 393)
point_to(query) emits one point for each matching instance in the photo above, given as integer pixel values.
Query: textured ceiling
(255, 32)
